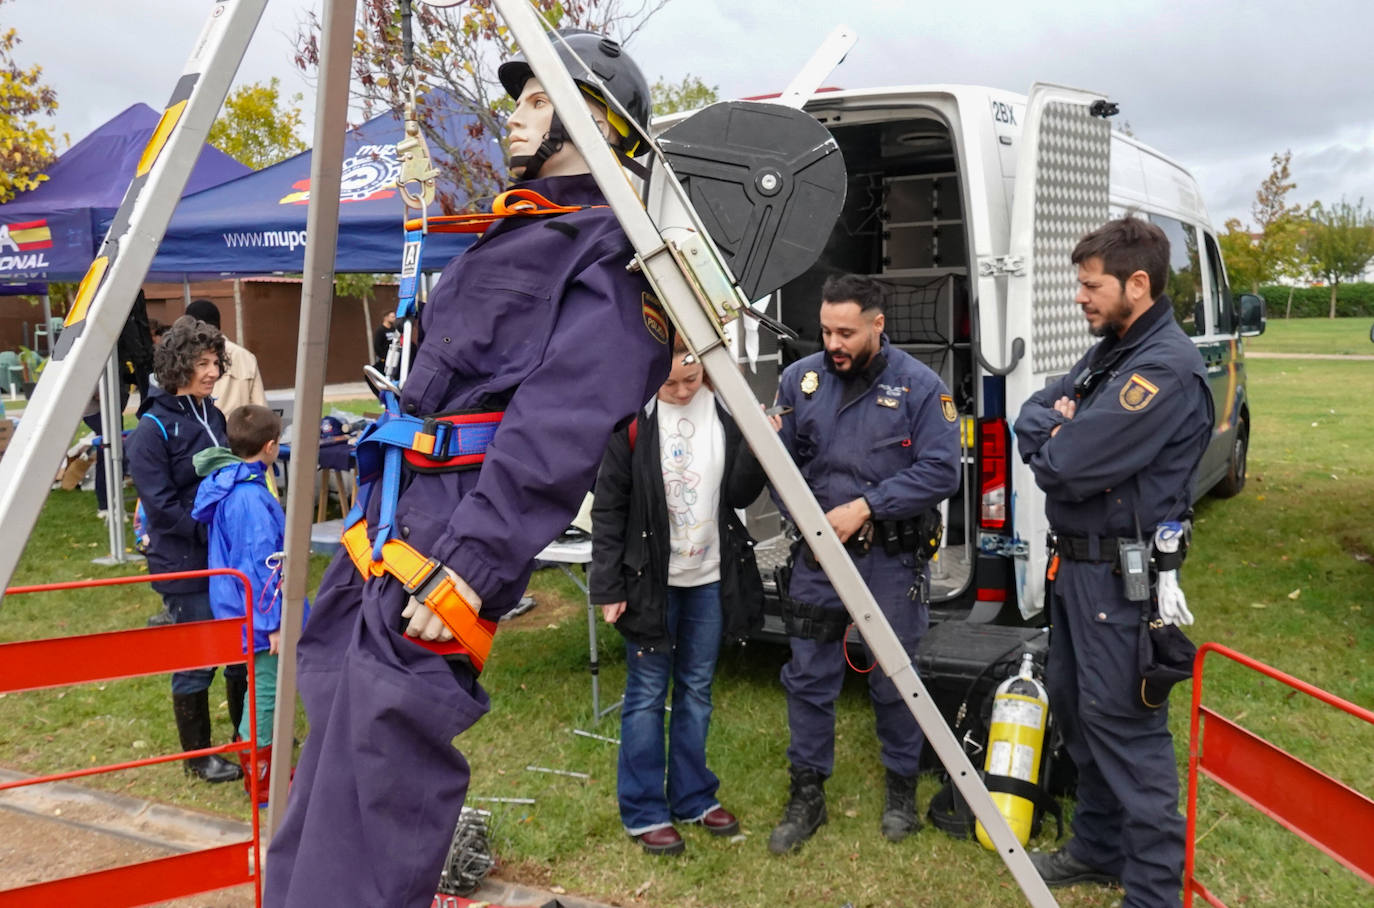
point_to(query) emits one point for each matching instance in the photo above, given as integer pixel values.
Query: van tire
(1234, 480)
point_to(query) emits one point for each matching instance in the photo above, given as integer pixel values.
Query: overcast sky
(1219, 85)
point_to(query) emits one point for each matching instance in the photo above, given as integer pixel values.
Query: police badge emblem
(1137, 393)
(653, 319)
(947, 408)
(810, 382)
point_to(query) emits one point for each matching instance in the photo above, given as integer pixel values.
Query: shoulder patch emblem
(653, 319)
(810, 382)
(1137, 393)
(947, 408)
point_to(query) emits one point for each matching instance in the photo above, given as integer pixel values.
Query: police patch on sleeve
(1137, 393)
(947, 408)
(653, 319)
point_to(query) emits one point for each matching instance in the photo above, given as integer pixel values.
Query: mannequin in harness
(535, 344)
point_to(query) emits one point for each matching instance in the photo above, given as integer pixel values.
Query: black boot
(236, 690)
(192, 713)
(163, 617)
(804, 814)
(899, 809)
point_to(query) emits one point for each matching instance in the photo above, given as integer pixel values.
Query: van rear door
(1062, 177)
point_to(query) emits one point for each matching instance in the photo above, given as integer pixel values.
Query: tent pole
(317, 295)
(238, 313)
(185, 293)
(111, 424)
(367, 329)
(47, 324)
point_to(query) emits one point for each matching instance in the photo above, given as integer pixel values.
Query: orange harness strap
(511, 203)
(426, 580)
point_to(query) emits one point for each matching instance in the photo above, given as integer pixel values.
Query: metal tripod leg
(107, 292)
(668, 273)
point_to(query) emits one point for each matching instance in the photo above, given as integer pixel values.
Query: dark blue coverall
(1129, 453)
(541, 318)
(897, 445)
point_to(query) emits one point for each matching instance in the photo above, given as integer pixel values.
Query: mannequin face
(529, 124)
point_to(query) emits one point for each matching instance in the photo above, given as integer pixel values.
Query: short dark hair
(252, 426)
(174, 358)
(845, 288)
(204, 310)
(1125, 246)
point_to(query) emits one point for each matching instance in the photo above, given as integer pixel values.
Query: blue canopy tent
(256, 223)
(51, 233)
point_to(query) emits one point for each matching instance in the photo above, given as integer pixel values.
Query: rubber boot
(236, 690)
(264, 773)
(899, 809)
(192, 713)
(804, 813)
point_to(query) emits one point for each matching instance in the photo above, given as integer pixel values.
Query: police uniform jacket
(538, 318)
(630, 534)
(1128, 455)
(159, 452)
(896, 444)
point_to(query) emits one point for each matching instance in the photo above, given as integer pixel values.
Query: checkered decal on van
(1070, 200)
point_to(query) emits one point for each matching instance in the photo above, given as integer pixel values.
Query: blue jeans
(694, 626)
(185, 608)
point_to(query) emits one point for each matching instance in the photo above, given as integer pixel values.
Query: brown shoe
(719, 821)
(664, 840)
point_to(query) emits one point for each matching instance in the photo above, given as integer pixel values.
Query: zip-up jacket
(630, 536)
(171, 430)
(1127, 457)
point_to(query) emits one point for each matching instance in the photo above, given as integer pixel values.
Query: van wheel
(1234, 480)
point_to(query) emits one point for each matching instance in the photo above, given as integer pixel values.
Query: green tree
(689, 94)
(1339, 242)
(258, 127)
(457, 51)
(1273, 249)
(27, 147)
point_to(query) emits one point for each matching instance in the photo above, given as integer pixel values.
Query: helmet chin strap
(552, 145)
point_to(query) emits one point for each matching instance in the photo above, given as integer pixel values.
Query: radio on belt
(1135, 570)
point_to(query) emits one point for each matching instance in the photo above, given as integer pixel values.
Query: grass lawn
(1284, 573)
(1313, 335)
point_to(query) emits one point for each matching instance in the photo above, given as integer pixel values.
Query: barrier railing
(54, 662)
(1330, 815)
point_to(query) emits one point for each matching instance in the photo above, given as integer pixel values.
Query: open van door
(1062, 174)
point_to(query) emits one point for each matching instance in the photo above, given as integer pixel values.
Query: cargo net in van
(926, 316)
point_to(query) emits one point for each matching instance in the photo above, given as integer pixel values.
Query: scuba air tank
(1016, 743)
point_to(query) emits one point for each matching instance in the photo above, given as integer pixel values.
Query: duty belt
(1080, 548)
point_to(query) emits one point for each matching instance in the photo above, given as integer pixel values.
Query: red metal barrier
(1325, 812)
(36, 664)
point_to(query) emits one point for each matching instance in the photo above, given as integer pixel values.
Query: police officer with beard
(1115, 444)
(874, 433)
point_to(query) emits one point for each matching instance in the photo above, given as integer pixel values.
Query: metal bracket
(1001, 266)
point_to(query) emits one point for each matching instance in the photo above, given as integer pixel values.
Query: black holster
(812, 622)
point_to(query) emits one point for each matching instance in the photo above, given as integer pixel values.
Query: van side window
(1185, 275)
(1223, 306)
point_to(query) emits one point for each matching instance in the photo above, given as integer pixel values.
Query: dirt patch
(549, 609)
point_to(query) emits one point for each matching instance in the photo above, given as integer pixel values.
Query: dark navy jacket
(1130, 451)
(896, 444)
(158, 453)
(541, 318)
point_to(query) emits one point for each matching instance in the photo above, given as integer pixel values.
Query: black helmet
(608, 63)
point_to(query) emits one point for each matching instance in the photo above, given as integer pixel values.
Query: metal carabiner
(416, 167)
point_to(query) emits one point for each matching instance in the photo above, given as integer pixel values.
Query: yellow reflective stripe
(85, 291)
(170, 116)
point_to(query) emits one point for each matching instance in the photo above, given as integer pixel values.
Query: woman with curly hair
(178, 419)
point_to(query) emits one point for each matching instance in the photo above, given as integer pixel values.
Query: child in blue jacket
(247, 533)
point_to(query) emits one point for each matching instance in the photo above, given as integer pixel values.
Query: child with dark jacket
(673, 568)
(247, 533)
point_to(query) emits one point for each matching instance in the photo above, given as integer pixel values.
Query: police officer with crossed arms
(874, 433)
(1115, 444)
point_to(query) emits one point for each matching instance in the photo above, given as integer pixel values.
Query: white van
(967, 201)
